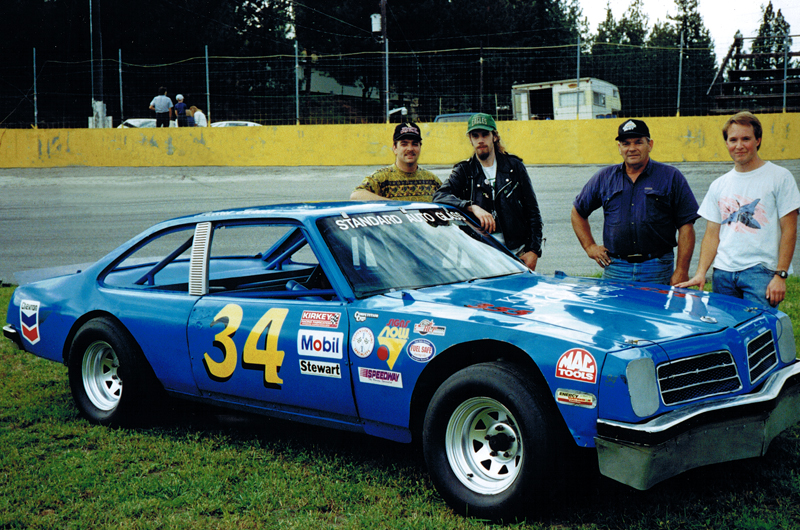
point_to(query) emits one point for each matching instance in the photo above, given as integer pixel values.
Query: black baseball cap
(407, 130)
(633, 129)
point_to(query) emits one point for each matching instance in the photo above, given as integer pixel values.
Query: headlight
(641, 374)
(786, 339)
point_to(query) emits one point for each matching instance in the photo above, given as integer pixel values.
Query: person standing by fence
(180, 111)
(162, 106)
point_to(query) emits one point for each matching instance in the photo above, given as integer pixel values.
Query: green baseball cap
(481, 121)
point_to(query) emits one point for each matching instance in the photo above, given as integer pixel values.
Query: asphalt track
(67, 217)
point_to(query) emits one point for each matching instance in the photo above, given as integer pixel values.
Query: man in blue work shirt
(645, 203)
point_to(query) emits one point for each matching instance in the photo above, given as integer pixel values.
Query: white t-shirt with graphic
(748, 207)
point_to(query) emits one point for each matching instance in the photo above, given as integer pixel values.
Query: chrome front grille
(701, 376)
(761, 355)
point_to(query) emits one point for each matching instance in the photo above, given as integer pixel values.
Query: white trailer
(569, 99)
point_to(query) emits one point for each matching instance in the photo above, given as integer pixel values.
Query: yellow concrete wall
(677, 139)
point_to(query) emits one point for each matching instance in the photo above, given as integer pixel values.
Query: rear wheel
(488, 442)
(109, 379)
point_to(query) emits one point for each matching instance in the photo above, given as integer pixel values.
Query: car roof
(302, 212)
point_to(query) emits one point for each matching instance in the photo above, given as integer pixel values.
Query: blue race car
(405, 321)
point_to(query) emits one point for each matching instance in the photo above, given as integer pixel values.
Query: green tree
(770, 42)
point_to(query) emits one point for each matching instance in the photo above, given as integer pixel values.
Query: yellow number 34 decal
(271, 358)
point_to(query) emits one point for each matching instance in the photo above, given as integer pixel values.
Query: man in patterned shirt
(404, 180)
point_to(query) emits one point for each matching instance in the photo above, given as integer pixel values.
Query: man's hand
(698, 281)
(776, 290)
(530, 259)
(599, 254)
(484, 217)
(679, 276)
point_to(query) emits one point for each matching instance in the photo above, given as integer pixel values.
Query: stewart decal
(578, 365)
(392, 338)
(363, 342)
(320, 319)
(29, 319)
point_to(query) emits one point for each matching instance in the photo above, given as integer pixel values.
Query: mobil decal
(392, 338)
(314, 343)
(578, 365)
(421, 350)
(29, 320)
(320, 319)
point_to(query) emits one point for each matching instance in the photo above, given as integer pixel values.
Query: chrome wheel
(100, 375)
(484, 446)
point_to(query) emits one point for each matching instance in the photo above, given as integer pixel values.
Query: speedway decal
(380, 377)
(29, 320)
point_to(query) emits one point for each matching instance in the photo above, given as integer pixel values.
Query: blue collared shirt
(640, 217)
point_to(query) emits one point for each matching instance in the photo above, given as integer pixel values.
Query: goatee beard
(483, 156)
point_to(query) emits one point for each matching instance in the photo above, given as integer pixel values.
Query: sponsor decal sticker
(380, 377)
(363, 342)
(314, 343)
(392, 338)
(576, 398)
(427, 327)
(421, 350)
(360, 316)
(320, 368)
(29, 318)
(320, 319)
(578, 365)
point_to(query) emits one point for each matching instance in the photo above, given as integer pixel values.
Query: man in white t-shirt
(751, 214)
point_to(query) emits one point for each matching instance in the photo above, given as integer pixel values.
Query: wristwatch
(782, 274)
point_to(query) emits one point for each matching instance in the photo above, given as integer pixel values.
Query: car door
(270, 332)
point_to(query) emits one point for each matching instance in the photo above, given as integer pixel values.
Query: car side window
(161, 262)
(265, 261)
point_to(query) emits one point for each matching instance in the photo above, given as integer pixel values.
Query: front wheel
(488, 442)
(109, 379)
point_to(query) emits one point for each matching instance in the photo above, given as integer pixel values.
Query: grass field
(195, 468)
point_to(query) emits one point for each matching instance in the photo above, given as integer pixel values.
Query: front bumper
(11, 334)
(642, 455)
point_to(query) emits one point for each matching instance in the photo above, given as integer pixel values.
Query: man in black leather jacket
(495, 188)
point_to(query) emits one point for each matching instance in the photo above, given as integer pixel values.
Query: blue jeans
(749, 284)
(656, 270)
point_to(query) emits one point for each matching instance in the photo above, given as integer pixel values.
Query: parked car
(235, 124)
(457, 116)
(142, 123)
(405, 321)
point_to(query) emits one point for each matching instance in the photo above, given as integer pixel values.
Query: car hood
(608, 311)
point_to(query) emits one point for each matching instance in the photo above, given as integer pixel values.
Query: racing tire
(102, 355)
(489, 443)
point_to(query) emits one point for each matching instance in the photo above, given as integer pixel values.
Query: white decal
(320, 368)
(314, 343)
(380, 377)
(577, 364)
(363, 342)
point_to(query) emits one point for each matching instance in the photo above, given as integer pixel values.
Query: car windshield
(412, 249)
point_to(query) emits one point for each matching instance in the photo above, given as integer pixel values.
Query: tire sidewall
(122, 344)
(507, 385)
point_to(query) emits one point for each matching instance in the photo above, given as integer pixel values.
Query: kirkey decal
(320, 319)
(315, 343)
(577, 364)
(363, 342)
(421, 350)
(380, 377)
(29, 320)
(427, 327)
